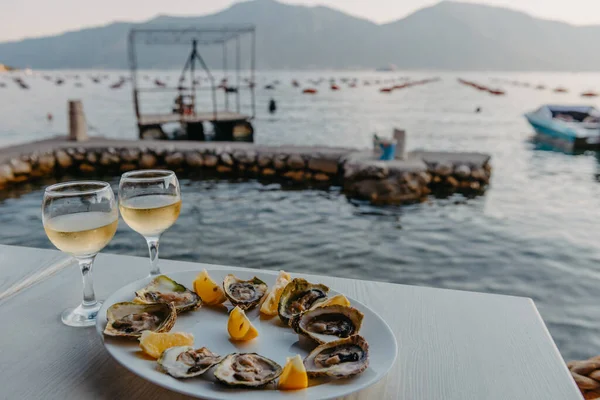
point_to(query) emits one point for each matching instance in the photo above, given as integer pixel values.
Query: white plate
(209, 326)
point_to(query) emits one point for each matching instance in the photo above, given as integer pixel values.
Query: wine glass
(80, 219)
(150, 203)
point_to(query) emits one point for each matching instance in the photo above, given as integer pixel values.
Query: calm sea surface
(534, 233)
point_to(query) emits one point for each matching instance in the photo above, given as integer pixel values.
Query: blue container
(388, 151)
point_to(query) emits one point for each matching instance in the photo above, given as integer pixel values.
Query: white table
(453, 345)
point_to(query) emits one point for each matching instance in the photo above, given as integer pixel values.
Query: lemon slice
(294, 375)
(239, 326)
(153, 344)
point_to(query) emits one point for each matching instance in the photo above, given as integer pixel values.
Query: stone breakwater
(361, 176)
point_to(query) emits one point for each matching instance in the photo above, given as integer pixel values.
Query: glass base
(81, 316)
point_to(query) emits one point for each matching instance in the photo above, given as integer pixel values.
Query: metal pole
(212, 84)
(237, 73)
(252, 66)
(193, 77)
(133, 69)
(225, 74)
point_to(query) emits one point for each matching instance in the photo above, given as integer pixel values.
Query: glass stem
(153, 248)
(86, 264)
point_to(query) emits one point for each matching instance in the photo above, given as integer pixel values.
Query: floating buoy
(589, 94)
(560, 90)
(385, 90)
(49, 117)
(540, 87)
(497, 92)
(295, 83)
(269, 87)
(59, 82)
(157, 82)
(310, 91)
(335, 87)
(117, 85)
(21, 83)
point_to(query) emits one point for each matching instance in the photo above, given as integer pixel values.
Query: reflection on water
(532, 234)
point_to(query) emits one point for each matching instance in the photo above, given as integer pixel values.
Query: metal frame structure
(194, 37)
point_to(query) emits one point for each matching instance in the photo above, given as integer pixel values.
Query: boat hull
(562, 135)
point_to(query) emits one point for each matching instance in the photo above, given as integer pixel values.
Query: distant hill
(449, 35)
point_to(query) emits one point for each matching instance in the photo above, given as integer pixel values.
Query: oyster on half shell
(163, 289)
(298, 296)
(130, 319)
(329, 323)
(185, 362)
(342, 358)
(247, 370)
(244, 294)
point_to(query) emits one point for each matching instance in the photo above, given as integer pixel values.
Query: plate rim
(102, 316)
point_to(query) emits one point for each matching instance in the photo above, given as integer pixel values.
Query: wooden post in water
(77, 124)
(400, 136)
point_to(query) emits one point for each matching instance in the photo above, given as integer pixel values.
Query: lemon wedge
(338, 300)
(294, 375)
(153, 344)
(271, 302)
(209, 291)
(239, 326)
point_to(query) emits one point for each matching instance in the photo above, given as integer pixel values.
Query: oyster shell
(247, 369)
(342, 358)
(328, 323)
(130, 319)
(298, 296)
(185, 362)
(163, 289)
(244, 294)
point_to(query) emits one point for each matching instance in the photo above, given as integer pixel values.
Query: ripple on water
(533, 234)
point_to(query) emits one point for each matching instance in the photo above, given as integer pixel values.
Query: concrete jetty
(359, 173)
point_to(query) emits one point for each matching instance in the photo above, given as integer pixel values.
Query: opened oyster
(298, 296)
(247, 369)
(329, 323)
(342, 358)
(165, 290)
(185, 362)
(244, 294)
(130, 319)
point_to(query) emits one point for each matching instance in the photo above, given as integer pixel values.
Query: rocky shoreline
(357, 172)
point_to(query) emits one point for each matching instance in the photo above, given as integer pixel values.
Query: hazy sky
(30, 18)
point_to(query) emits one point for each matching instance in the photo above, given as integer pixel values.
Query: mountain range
(449, 35)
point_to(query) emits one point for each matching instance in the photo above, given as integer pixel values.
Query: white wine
(150, 215)
(83, 233)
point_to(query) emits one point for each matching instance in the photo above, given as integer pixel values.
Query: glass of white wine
(150, 203)
(80, 219)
